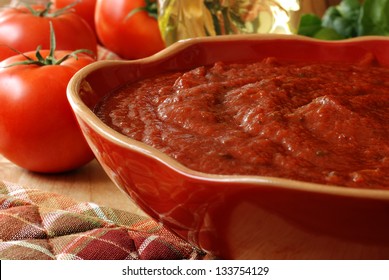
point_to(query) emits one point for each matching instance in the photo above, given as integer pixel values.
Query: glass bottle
(182, 19)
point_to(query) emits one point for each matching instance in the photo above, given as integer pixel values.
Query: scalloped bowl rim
(82, 111)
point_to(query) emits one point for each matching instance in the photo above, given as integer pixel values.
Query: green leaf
(345, 27)
(348, 19)
(326, 33)
(349, 9)
(343, 18)
(330, 15)
(374, 18)
(309, 25)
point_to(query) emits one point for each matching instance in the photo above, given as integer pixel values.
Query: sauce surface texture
(315, 122)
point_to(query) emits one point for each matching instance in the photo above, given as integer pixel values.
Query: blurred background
(181, 19)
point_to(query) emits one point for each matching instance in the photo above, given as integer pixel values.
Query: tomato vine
(50, 59)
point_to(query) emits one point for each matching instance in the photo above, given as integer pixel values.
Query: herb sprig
(350, 18)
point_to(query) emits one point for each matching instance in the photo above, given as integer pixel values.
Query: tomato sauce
(326, 123)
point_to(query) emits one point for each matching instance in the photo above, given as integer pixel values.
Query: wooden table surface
(87, 184)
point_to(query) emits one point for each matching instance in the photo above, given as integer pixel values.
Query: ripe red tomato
(131, 37)
(6, 52)
(24, 31)
(83, 8)
(38, 130)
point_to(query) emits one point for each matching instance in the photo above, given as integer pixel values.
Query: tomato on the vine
(38, 129)
(129, 28)
(25, 27)
(83, 8)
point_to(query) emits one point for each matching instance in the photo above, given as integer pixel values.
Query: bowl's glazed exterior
(236, 217)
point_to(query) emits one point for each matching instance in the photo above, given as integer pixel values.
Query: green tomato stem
(151, 8)
(46, 11)
(50, 59)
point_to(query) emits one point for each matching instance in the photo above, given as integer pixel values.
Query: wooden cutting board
(87, 184)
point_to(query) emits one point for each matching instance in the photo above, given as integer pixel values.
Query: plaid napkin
(105, 54)
(38, 225)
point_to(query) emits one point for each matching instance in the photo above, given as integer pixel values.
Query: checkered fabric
(38, 225)
(105, 54)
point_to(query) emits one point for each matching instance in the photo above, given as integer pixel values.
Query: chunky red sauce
(324, 123)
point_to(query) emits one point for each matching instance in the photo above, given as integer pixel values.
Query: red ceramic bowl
(236, 217)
